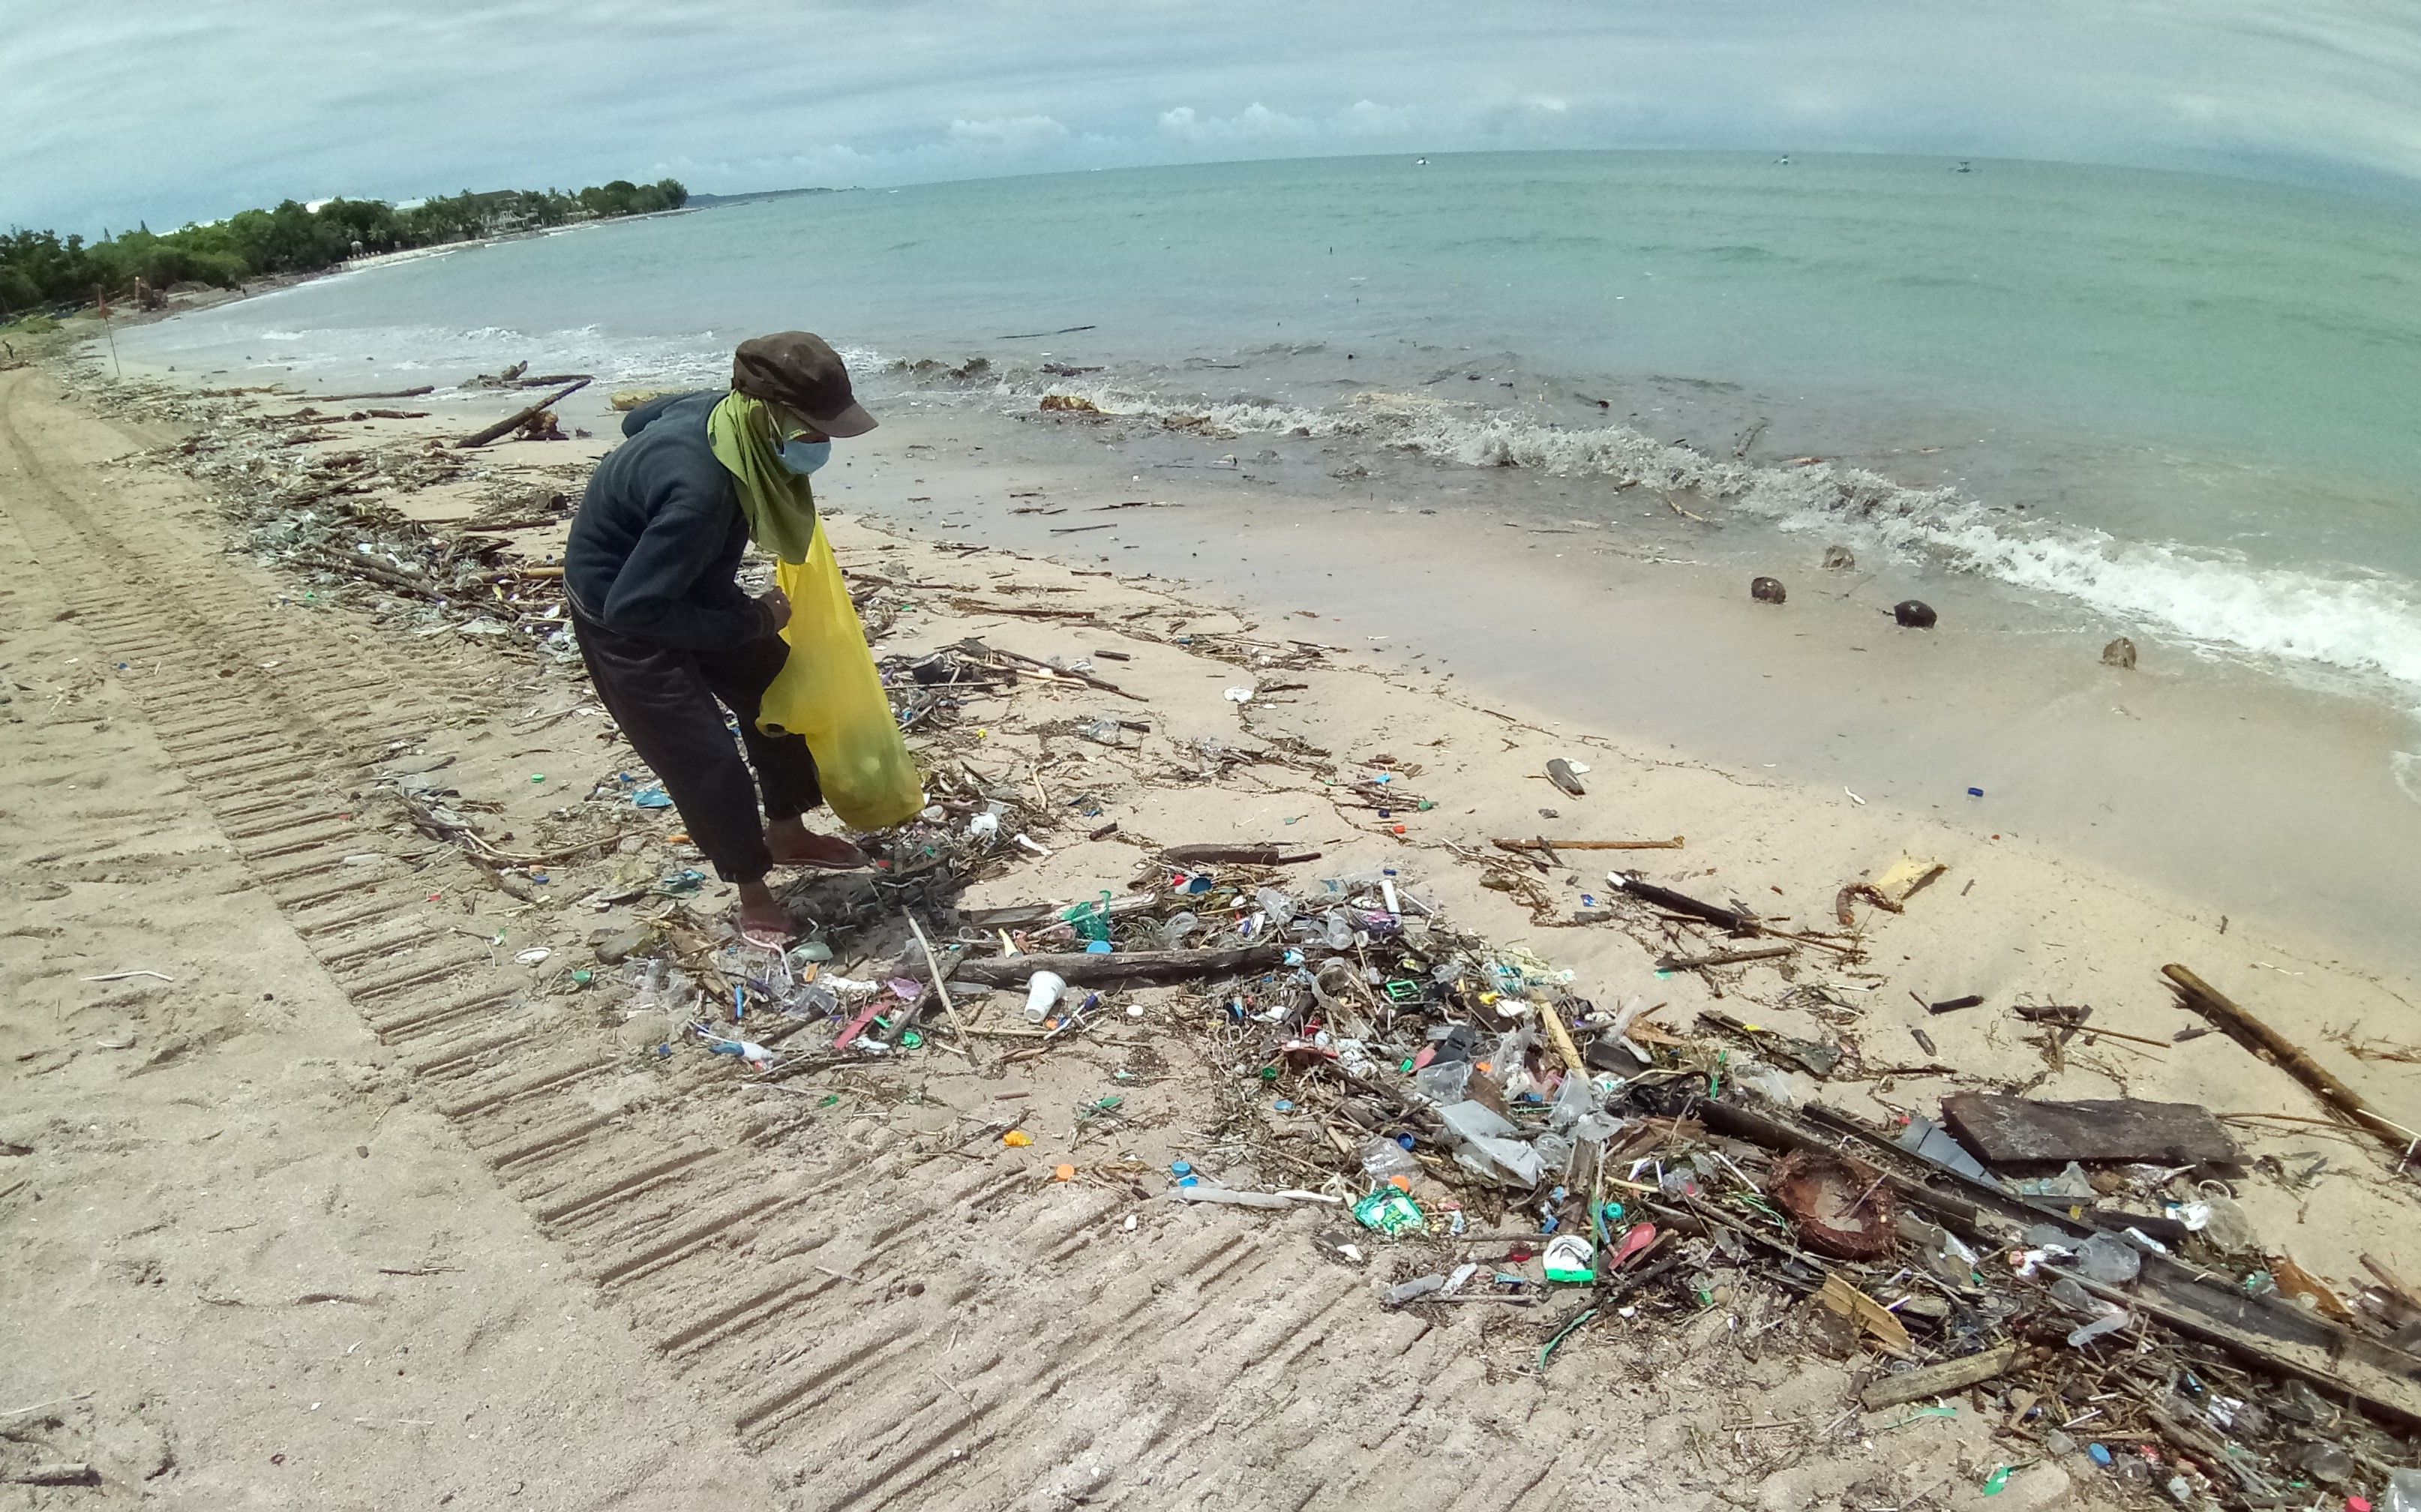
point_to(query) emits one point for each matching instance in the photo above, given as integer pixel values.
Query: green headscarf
(780, 507)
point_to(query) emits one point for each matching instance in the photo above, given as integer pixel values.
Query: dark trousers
(666, 700)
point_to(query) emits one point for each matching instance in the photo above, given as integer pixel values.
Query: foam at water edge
(2350, 624)
(2406, 768)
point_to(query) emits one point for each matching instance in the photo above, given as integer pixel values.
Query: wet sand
(2238, 798)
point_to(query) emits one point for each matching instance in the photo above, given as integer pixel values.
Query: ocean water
(2186, 404)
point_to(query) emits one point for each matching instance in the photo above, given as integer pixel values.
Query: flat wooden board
(2008, 1131)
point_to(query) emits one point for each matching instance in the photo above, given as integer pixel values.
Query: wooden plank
(2010, 1131)
(1950, 1376)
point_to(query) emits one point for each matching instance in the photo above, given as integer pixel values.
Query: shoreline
(2220, 785)
(2228, 787)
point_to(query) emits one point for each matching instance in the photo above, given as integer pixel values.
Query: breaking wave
(2349, 623)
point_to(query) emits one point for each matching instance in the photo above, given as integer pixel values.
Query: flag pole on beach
(101, 295)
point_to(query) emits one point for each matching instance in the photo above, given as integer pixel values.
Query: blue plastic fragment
(1097, 947)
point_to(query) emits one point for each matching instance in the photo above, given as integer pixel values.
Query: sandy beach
(345, 1113)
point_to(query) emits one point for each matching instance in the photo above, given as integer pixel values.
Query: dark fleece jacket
(659, 535)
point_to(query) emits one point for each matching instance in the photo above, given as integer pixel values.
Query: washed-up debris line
(1477, 1134)
(324, 510)
(1471, 1128)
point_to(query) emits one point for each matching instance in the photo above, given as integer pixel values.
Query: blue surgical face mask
(801, 455)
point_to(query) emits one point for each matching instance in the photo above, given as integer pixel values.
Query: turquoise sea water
(2182, 403)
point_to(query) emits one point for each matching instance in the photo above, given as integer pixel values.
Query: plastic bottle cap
(1401, 1183)
(1065, 1172)
(1180, 1168)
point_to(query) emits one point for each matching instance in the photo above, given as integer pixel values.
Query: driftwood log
(2290, 1057)
(514, 422)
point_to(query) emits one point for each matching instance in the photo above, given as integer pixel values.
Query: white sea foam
(2345, 621)
(2349, 622)
(2405, 766)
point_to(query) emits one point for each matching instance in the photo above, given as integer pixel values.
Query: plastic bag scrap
(1485, 1147)
(829, 692)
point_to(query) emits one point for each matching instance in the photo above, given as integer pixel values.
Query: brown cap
(801, 372)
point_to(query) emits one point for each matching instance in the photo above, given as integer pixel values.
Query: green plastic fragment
(1999, 1480)
(910, 1039)
(1563, 1334)
(1389, 1212)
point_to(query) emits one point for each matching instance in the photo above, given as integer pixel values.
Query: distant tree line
(41, 270)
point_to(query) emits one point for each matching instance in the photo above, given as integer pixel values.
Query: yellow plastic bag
(829, 692)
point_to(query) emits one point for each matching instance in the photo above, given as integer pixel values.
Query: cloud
(1368, 117)
(1010, 133)
(1255, 124)
(396, 97)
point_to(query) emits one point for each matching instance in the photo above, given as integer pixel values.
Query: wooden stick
(1674, 844)
(516, 421)
(1127, 966)
(2113, 1034)
(1562, 1038)
(2288, 1056)
(1721, 957)
(1234, 855)
(966, 1041)
(1673, 902)
(978, 606)
(383, 393)
(1046, 668)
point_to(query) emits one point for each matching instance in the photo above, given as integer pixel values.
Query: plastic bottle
(1279, 907)
(1382, 1157)
(2327, 1463)
(2403, 1491)
(811, 1000)
(1042, 991)
(1340, 934)
(2107, 1323)
(2111, 1261)
(1441, 1082)
(2222, 1222)
(1173, 933)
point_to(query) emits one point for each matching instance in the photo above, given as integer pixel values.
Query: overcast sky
(169, 112)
